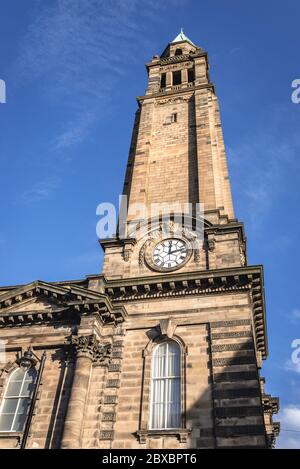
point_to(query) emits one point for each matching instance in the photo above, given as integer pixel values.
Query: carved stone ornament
(89, 346)
(175, 100)
(126, 254)
(167, 327)
(142, 253)
(242, 255)
(197, 256)
(175, 66)
(211, 244)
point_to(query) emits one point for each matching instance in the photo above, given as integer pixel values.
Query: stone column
(87, 350)
(184, 76)
(169, 79)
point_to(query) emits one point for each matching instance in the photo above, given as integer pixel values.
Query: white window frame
(20, 397)
(167, 379)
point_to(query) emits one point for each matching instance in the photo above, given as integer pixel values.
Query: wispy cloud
(78, 51)
(75, 54)
(75, 131)
(260, 162)
(292, 366)
(40, 191)
(289, 418)
(235, 50)
(294, 315)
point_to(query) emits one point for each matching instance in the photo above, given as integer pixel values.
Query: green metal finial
(182, 37)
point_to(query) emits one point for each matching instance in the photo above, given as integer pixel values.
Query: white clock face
(170, 253)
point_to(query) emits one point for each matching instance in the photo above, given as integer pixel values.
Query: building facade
(164, 348)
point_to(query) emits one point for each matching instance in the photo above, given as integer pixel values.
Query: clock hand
(177, 250)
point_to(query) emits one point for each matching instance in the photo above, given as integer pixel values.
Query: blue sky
(73, 69)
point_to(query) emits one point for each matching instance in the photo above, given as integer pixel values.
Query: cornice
(175, 58)
(209, 282)
(270, 404)
(113, 242)
(176, 91)
(228, 227)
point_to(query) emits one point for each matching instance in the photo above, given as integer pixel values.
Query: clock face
(170, 253)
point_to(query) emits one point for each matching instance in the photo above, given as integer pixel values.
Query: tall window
(16, 401)
(163, 81)
(166, 386)
(177, 78)
(191, 75)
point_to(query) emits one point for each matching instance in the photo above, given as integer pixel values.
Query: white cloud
(289, 418)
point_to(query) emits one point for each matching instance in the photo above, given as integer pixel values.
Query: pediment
(49, 301)
(37, 304)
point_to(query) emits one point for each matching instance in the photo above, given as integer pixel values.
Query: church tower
(164, 348)
(195, 335)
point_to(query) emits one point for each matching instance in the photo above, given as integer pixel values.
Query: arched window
(16, 401)
(165, 409)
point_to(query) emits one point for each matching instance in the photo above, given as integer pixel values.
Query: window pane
(174, 361)
(158, 416)
(159, 368)
(161, 350)
(173, 415)
(159, 361)
(19, 423)
(27, 388)
(14, 388)
(173, 392)
(166, 387)
(173, 403)
(17, 400)
(31, 375)
(158, 398)
(6, 422)
(17, 375)
(9, 406)
(23, 406)
(158, 391)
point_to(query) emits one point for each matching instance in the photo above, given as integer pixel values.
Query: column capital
(89, 346)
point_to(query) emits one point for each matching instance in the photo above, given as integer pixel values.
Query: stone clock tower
(199, 293)
(164, 348)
